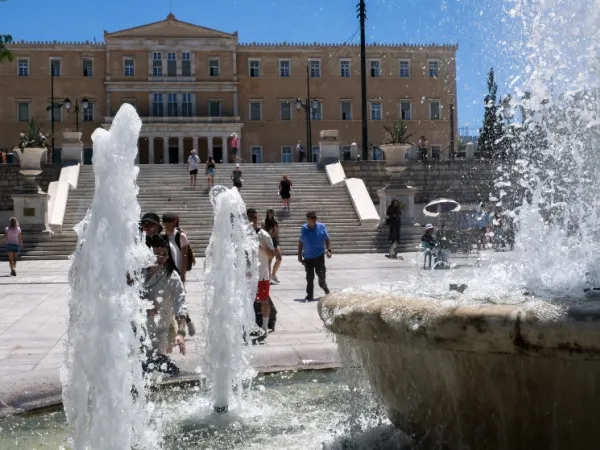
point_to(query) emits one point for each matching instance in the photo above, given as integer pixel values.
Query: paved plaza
(34, 316)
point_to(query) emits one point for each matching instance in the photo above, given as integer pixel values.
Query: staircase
(166, 188)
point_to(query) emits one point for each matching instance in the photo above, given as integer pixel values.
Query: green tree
(5, 53)
(491, 143)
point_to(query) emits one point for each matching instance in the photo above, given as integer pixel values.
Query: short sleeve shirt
(264, 240)
(313, 240)
(193, 161)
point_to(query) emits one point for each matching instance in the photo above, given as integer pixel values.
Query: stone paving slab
(34, 316)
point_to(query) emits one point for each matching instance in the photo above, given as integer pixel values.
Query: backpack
(190, 252)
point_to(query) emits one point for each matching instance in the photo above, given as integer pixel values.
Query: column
(108, 105)
(225, 147)
(210, 145)
(195, 143)
(235, 102)
(166, 149)
(137, 156)
(180, 149)
(150, 149)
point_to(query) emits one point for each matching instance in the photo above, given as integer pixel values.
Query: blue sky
(480, 27)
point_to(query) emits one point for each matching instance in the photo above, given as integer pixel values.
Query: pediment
(169, 28)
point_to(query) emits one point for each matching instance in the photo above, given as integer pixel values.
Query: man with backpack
(182, 254)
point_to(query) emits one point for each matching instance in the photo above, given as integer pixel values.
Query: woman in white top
(192, 163)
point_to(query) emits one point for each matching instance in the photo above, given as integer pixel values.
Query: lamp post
(308, 105)
(84, 102)
(362, 16)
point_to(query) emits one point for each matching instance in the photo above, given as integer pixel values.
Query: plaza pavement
(34, 317)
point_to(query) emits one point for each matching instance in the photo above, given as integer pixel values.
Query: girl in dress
(13, 241)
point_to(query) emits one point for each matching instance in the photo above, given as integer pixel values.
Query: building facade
(193, 87)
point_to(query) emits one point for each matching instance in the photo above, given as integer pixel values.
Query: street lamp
(309, 106)
(67, 104)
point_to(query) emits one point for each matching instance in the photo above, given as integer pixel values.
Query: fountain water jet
(102, 363)
(231, 277)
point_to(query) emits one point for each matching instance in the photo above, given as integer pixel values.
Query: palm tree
(5, 53)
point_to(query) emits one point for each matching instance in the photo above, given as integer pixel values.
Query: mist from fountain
(102, 365)
(231, 278)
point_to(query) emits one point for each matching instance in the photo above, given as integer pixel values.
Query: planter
(72, 147)
(478, 376)
(72, 136)
(395, 154)
(329, 135)
(30, 161)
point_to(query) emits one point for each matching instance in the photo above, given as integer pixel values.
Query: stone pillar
(195, 143)
(329, 146)
(72, 147)
(235, 102)
(354, 154)
(165, 149)
(150, 149)
(397, 191)
(180, 149)
(32, 211)
(225, 146)
(108, 105)
(210, 146)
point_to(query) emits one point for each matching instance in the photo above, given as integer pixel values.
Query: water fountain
(102, 365)
(231, 277)
(514, 362)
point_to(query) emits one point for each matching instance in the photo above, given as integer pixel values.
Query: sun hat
(428, 226)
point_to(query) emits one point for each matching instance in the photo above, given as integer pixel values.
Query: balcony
(185, 119)
(172, 78)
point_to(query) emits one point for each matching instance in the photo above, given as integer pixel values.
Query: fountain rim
(471, 328)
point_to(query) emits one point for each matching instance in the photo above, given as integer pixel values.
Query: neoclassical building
(194, 86)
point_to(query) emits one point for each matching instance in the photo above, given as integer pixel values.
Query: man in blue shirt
(314, 239)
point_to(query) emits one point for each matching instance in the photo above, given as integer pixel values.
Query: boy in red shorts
(265, 253)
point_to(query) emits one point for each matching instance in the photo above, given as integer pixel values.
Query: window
(172, 104)
(256, 153)
(316, 110)
(171, 64)
(88, 113)
(23, 111)
(286, 110)
(254, 67)
(157, 64)
(157, 104)
(186, 64)
(404, 69)
(186, 104)
(346, 110)
(374, 64)
(375, 111)
(87, 67)
(434, 110)
(436, 152)
(345, 68)
(57, 111)
(214, 108)
(434, 69)
(284, 68)
(316, 153)
(213, 67)
(315, 69)
(23, 65)
(55, 67)
(128, 67)
(405, 110)
(255, 111)
(286, 154)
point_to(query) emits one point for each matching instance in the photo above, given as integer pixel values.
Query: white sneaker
(274, 280)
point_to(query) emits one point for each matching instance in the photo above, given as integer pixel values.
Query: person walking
(13, 240)
(236, 177)
(265, 253)
(285, 191)
(211, 170)
(192, 164)
(313, 246)
(394, 214)
(235, 145)
(271, 226)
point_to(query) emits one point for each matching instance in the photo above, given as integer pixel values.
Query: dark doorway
(88, 153)
(174, 155)
(218, 154)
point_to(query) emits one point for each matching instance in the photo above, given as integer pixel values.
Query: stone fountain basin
(478, 376)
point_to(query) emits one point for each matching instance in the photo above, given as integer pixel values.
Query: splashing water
(558, 241)
(102, 363)
(231, 274)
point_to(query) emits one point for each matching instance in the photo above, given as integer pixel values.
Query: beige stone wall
(11, 181)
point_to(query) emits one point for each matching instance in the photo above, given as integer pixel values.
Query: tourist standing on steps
(285, 191)
(211, 170)
(236, 177)
(300, 151)
(265, 253)
(13, 240)
(164, 291)
(271, 226)
(394, 214)
(235, 145)
(313, 246)
(192, 163)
